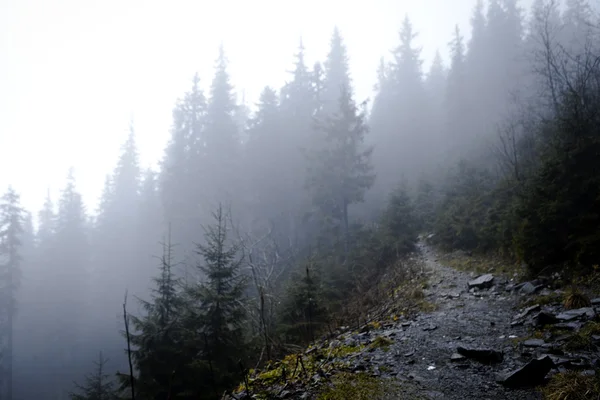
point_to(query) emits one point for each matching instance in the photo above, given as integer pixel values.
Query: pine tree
(217, 312)
(11, 232)
(337, 74)
(400, 121)
(159, 356)
(69, 286)
(97, 386)
(265, 132)
(457, 107)
(222, 137)
(299, 102)
(341, 172)
(182, 180)
(302, 313)
(435, 85)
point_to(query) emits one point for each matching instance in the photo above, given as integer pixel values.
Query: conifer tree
(11, 232)
(341, 172)
(337, 74)
(216, 307)
(159, 356)
(222, 137)
(182, 180)
(303, 313)
(97, 385)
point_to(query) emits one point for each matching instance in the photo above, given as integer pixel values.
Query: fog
(88, 68)
(119, 132)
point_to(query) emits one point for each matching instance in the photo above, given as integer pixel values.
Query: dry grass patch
(572, 386)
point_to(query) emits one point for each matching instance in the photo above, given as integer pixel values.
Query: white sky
(73, 72)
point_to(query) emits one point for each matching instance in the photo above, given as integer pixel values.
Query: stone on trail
(485, 356)
(569, 315)
(531, 374)
(534, 343)
(457, 357)
(482, 282)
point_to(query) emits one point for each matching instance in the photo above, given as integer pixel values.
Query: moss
(426, 306)
(582, 340)
(343, 350)
(359, 386)
(381, 342)
(572, 386)
(375, 325)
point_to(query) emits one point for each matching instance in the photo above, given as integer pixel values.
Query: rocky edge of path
(477, 344)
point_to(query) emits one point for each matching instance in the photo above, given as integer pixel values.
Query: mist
(128, 130)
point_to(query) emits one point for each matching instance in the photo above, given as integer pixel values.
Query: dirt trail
(422, 351)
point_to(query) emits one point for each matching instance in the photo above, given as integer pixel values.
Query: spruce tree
(182, 181)
(216, 312)
(159, 354)
(222, 138)
(341, 171)
(11, 232)
(337, 74)
(97, 385)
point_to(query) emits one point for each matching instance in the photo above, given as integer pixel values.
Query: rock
(527, 311)
(534, 343)
(528, 288)
(569, 315)
(596, 301)
(457, 357)
(430, 328)
(545, 318)
(571, 326)
(588, 372)
(485, 356)
(531, 374)
(482, 282)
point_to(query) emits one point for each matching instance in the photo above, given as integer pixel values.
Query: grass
(361, 386)
(483, 264)
(543, 300)
(572, 386)
(582, 340)
(575, 298)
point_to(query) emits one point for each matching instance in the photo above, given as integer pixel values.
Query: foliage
(97, 386)
(215, 313)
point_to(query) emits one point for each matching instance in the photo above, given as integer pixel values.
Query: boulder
(482, 282)
(531, 374)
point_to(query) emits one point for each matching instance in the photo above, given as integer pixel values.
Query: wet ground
(421, 353)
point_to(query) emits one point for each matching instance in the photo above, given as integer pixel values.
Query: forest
(261, 223)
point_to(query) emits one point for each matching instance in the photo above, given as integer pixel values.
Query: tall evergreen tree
(436, 93)
(265, 139)
(216, 310)
(222, 138)
(399, 118)
(182, 180)
(97, 386)
(341, 172)
(11, 235)
(159, 355)
(457, 106)
(337, 74)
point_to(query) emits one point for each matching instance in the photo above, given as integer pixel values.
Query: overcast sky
(74, 72)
